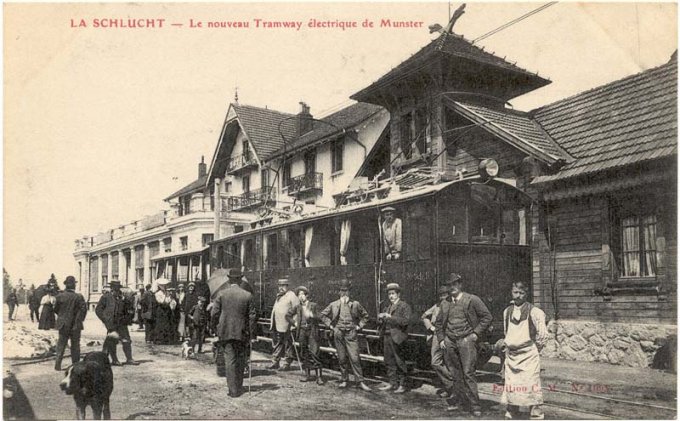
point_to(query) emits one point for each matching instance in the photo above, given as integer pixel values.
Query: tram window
(362, 233)
(318, 238)
(295, 246)
(271, 248)
(233, 257)
(485, 215)
(249, 255)
(284, 252)
(417, 239)
(515, 227)
(220, 256)
(452, 224)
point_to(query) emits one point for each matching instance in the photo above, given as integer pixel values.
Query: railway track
(588, 404)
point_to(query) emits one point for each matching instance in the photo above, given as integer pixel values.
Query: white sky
(102, 124)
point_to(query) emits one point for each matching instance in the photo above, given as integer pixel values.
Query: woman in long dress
(165, 306)
(47, 318)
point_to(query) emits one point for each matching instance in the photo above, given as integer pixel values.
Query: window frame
(337, 152)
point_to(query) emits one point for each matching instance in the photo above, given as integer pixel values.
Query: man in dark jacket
(116, 312)
(148, 303)
(305, 319)
(346, 318)
(463, 319)
(12, 301)
(394, 322)
(71, 309)
(235, 312)
(34, 304)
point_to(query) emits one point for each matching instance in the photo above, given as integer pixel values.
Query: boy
(198, 315)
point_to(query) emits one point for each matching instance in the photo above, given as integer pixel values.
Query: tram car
(476, 227)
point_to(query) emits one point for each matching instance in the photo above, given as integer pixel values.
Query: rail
(250, 198)
(240, 162)
(305, 182)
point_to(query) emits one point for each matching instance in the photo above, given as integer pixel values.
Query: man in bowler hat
(71, 309)
(116, 312)
(346, 318)
(280, 326)
(236, 314)
(463, 319)
(305, 319)
(394, 322)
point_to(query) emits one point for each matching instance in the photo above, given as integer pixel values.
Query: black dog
(90, 381)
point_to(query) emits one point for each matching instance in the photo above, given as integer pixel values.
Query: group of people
(456, 324)
(41, 302)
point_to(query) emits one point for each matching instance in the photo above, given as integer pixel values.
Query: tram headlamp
(488, 168)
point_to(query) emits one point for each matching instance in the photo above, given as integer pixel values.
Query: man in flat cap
(305, 319)
(346, 318)
(394, 322)
(280, 326)
(459, 325)
(71, 309)
(236, 314)
(116, 312)
(436, 353)
(391, 233)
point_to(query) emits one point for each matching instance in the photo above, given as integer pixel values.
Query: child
(199, 318)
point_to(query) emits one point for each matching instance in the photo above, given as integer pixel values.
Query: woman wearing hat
(47, 318)
(165, 306)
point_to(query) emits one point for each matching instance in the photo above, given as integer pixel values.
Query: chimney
(305, 122)
(202, 168)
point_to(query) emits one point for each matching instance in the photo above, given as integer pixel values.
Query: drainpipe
(218, 208)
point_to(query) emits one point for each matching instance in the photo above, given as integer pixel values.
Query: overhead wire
(514, 21)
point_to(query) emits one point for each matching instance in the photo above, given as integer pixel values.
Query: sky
(100, 124)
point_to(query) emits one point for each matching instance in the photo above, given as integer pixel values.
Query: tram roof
(414, 193)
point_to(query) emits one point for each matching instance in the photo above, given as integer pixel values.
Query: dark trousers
(197, 336)
(64, 336)
(12, 306)
(283, 346)
(309, 349)
(140, 320)
(347, 346)
(149, 327)
(461, 359)
(34, 311)
(438, 365)
(231, 355)
(393, 354)
(123, 337)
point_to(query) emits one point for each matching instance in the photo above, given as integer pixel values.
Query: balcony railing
(251, 199)
(240, 162)
(305, 183)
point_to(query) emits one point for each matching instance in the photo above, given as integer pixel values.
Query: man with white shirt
(280, 326)
(461, 322)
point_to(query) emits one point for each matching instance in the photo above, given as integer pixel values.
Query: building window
(206, 239)
(246, 150)
(227, 187)
(405, 129)
(337, 149)
(185, 205)
(634, 235)
(264, 178)
(286, 174)
(413, 130)
(310, 161)
(245, 184)
(167, 245)
(184, 242)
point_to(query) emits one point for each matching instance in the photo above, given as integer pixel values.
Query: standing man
(462, 320)
(33, 304)
(525, 333)
(71, 309)
(436, 353)
(138, 308)
(346, 317)
(280, 326)
(391, 231)
(116, 312)
(237, 315)
(12, 301)
(394, 330)
(305, 319)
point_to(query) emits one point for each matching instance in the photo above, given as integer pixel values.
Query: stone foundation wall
(633, 345)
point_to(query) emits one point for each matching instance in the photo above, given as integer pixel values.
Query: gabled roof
(194, 186)
(261, 126)
(629, 121)
(330, 125)
(515, 127)
(456, 49)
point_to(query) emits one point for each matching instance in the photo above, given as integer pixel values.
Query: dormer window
(414, 132)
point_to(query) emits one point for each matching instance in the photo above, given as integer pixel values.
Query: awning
(182, 253)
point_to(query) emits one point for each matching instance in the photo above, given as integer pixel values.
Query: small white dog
(187, 350)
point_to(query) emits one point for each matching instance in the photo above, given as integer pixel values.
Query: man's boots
(109, 347)
(401, 388)
(308, 376)
(319, 376)
(127, 350)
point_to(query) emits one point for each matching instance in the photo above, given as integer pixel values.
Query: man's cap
(301, 288)
(191, 285)
(234, 273)
(443, 290)
(202, 298)
(180, 286)
(387, 209)
(114, 283)
(393, 287)
(162, 281)
(345, 284)
(171, 289)
(454, 278)
(70, 280)
(283, 281)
